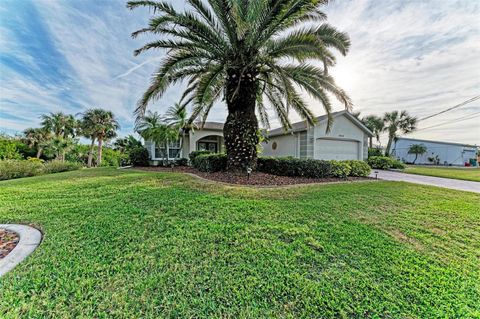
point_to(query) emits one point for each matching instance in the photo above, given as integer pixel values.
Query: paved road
(428, 180)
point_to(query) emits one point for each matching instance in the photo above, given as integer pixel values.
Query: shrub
(340, 169)
(194, 154)
(36, 160)
(139, 156)
(9, 149)
(397, 164)
(289, 166)
(111, 157)
(380, 162)
(181, 162)
(19, 168)
(59, 166)
(210, 162)
(359, 168)
(374, 152)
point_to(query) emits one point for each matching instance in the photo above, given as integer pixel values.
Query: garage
(336, 149)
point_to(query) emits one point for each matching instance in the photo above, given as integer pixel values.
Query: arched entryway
(212, 143)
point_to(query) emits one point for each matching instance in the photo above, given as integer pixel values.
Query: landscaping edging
(30, 238)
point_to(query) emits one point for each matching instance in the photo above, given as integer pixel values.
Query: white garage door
(336, 150)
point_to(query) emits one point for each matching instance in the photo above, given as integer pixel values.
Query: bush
(210, 162)
(139, 156)
(10, 169)
(59, 166)
(194, 154)
(289, 166)
(181, 162)
(111, 157)
(397, 164)
(380, 162)
(340, 169)
(359, 168)
(374, 152)
(18, 168)
(9, 149)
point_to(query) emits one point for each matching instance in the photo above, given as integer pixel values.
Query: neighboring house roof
(303, 125)
(215, 126)
(437, 142)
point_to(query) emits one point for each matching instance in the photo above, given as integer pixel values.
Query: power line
(451, 108)
(460, 119)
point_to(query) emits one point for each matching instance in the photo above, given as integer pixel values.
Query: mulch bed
(8, 241)
(256, 178)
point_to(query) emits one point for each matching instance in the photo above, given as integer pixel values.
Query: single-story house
(347, 140)
(207, 138)
(448, 153)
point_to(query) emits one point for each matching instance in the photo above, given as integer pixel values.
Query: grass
(467, 174)
(131, 244)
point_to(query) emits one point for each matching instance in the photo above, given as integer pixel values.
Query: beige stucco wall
(342, 129)
(287, 145)
(197, 135)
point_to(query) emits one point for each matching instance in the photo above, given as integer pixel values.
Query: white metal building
(448, 153)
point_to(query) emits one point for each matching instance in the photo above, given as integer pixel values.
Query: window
(160, 150)
(174, 149)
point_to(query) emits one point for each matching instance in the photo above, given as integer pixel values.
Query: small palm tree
(177, 117)
(398, 121)
(58, 145)
(376, 125)
(417, 149)
(249, 54)
(153, 127)
(37, 138)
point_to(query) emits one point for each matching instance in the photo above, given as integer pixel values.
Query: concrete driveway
(428, 180)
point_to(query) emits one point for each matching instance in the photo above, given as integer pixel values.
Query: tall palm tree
(58, 145)
(37, 138)
(105, 128)
(398, 122)
(60, 124)
(89, 129)
(376, 125)
(248, 53)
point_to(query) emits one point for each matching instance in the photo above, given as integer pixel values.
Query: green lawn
(468, 174)
(132, 244)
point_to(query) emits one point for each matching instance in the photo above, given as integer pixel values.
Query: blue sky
(422, 56)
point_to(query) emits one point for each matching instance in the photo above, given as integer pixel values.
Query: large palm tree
(376, 125)
(37, 138)
(60, 124)
(396, 122)
(98, 125)
(248, 53)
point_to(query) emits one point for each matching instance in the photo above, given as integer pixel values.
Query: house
(209, 137)
(347, 140)
(443, 153)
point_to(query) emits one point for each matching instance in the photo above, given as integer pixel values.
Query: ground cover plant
(10, 169)
(470, 174)
(129, 244)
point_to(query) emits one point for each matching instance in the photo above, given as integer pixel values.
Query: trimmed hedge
(10, 169)
(139, 156)
(384, 162)
(194, 154)
(288, 166)
(210, 162)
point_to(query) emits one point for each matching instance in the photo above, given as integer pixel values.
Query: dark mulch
(8, 241)
(256, 178)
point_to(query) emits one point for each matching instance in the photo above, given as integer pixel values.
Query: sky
(64, 55)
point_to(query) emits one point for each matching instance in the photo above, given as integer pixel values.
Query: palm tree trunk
(241, 126)
(100, 144)
(416, 155)
(371, 142)
(39, 152)
(90, 153)
(389, 144)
